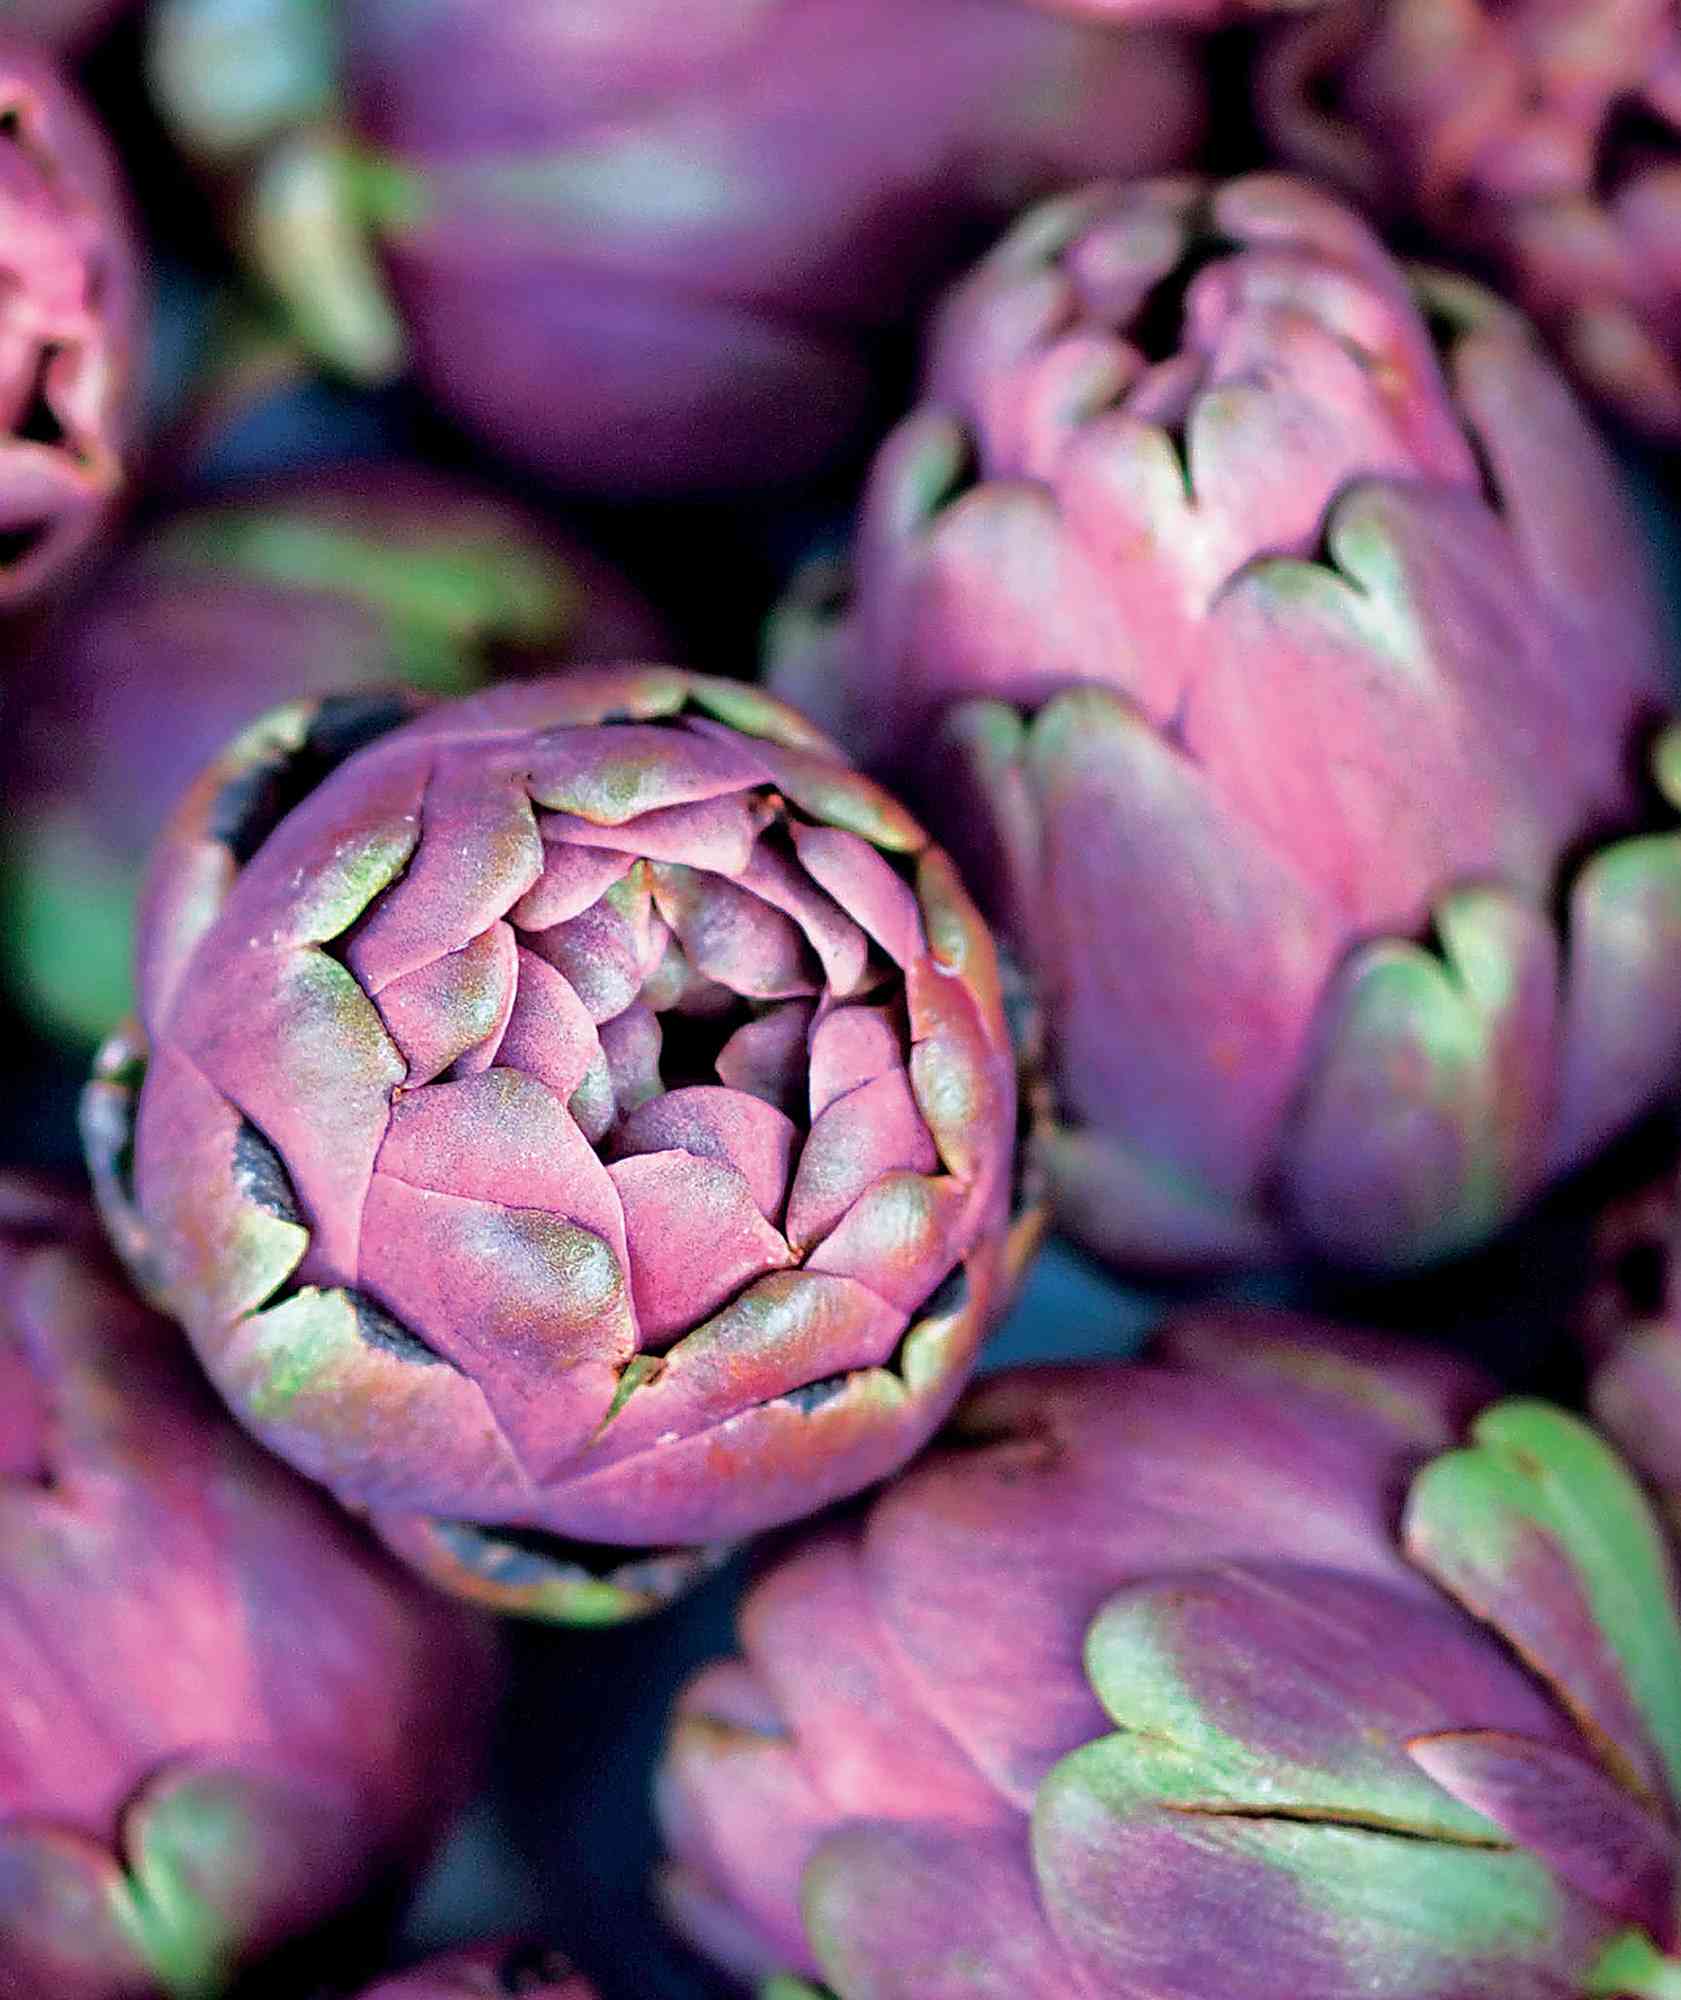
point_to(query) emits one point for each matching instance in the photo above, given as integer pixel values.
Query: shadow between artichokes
(486, 1972)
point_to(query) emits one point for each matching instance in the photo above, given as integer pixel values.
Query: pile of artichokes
(840, 999)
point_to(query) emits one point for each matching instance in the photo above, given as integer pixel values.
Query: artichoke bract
(1233, 1721)
(586, 1112)
(1274, 643)
(1542, 139)
(487, 1973)
(225, 1716)
(652, 245)
(70, 327)
(1631, 1332)
(348, 578)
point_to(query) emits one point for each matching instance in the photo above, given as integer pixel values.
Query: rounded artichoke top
(70, 326)
(1277, 643)
(1336, 528)
(1545, 139)
(1221, 1728)
(487, 1970)
(589, 1107)
(195, 1649)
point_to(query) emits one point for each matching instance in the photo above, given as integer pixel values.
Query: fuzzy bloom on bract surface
(1280, 1690)
(351, 577)
(653, 245)
(226, 1716)
(1630, 1326)
(70, 326)
(584, 1112)
(487, 1972)
(1273, 639)
(1539, 137)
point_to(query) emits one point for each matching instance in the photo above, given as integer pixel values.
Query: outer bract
(652, 244)
(354, 578)
(1542, 137)
(1298, 659)
(70, 327)
(589, 1110)
(492, 1972)
(1136, 1691)
(1631, 1327)
(224, 1717)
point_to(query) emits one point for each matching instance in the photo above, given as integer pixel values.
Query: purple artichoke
(654, 244)
(587, 1114)
(491, 1972)
(224, 1717)
(1297, 658)
(1631, 1327)
(70, 327)
(1221, 1727)
(325, 584)
(1541, 137)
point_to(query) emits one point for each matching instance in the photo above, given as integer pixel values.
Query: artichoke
(1631, 1332)
(1274, 641)
(339, 580)
(654, 244)
(1220, 1727)
(1540, 137)
(582, 1116)
(491, 1972)
(224, 1716)
(70, 328)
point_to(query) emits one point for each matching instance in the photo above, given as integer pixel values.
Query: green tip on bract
(307, 225)
(187, 1943)
(1459, 304)
(754, 712)
(592, 1604)
(444, 596)
(1632, 1968)
(1666, 766)
(1537, 1482)
(67, 911)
